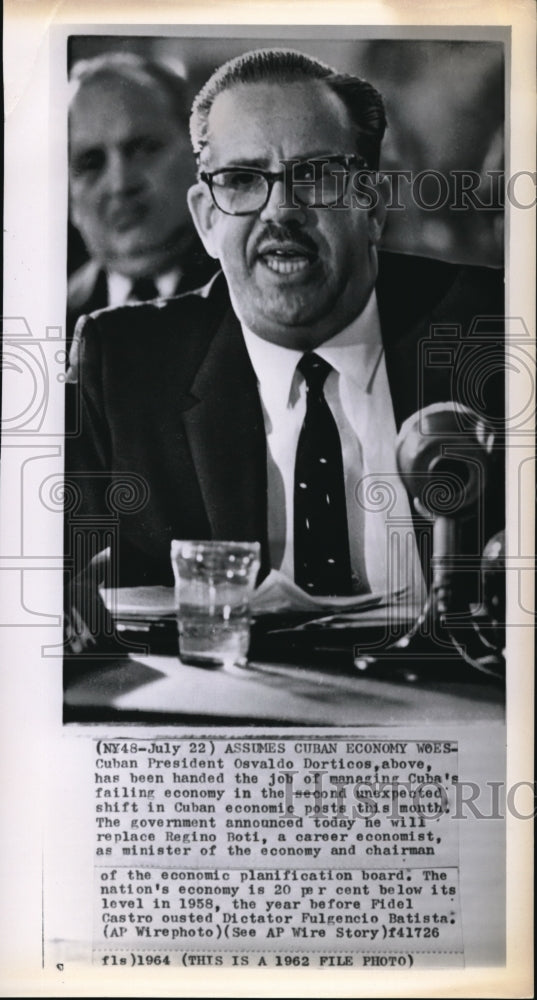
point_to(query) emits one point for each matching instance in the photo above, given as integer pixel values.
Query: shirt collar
(119, 287)
(275, 369)
(353, 352)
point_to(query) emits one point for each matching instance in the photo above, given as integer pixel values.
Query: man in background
(130, 167)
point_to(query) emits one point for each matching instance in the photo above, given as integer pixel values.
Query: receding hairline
(132, 71)
(127, 84)
(363, 103)
(248, 86)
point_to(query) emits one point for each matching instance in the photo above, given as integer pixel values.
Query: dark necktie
(321, 543)
(143, 289)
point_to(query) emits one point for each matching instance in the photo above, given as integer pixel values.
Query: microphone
(443, 456)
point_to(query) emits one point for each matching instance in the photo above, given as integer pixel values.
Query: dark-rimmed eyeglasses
(317, 183)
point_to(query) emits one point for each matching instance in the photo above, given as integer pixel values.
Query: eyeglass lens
(315, 183)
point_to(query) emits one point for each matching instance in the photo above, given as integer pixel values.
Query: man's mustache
(274, 236)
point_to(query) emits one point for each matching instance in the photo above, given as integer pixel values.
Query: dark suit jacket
(87, 290)
(170, 405)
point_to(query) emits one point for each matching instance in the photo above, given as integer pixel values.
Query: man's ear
(377, 214)
(203, 212)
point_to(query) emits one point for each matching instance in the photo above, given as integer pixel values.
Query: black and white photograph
(285, 452)
(267, 502)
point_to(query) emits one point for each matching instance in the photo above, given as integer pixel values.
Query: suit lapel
(410, 296)
(225, 430)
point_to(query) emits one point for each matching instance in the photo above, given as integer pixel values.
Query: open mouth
(287, 259)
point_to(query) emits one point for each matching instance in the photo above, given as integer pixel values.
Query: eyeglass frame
(346, 160)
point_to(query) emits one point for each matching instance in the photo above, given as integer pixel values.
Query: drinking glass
(213, 584)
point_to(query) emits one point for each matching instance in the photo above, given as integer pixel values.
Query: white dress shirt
(120, 287)
(381, 537)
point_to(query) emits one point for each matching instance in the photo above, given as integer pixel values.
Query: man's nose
(283, 205)
(121, 175)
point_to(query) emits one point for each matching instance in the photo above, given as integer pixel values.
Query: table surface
(157, 688)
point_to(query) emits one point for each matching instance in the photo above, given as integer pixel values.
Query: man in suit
(268, 404)
(130, 166)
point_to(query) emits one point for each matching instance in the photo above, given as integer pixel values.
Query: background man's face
(296, 275)
(130, 168)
